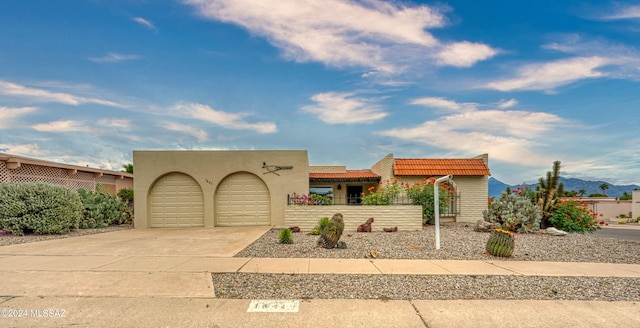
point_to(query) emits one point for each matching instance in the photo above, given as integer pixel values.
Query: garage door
(242, 199)
(177, 201)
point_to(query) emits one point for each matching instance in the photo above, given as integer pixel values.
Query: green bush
(574, 216)
(39, 208)
(514, 212)
(125, 195)
(102, 210)
(285, 236)
(385, 194)
(321, 224)
(422, 193)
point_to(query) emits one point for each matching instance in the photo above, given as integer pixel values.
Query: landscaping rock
(554, 232)
(365, 227)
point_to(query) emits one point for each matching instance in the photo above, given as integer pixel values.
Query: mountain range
(496, 187)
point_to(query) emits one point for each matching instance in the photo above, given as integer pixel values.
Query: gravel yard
(458, 242)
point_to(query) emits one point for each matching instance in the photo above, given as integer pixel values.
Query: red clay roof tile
(359, 175)
(434, 167)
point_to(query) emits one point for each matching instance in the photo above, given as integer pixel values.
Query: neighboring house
(607, 208)
(19, 169)
(236, 188)
(470, 179)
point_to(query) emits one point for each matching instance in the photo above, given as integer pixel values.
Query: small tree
(128, 168)
(604, 187)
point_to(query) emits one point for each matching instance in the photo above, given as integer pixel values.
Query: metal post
(436, 206)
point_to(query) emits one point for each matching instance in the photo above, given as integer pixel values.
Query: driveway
(127, 263)
(210, 242)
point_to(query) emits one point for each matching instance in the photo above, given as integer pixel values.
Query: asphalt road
(619, 233)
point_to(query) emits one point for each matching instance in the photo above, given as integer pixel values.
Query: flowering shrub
(313, 199)
(421, 193)
(385, 194)
(573, 216)
(514, 212)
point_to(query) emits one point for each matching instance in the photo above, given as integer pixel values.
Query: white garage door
(176, 201)
(242, 199)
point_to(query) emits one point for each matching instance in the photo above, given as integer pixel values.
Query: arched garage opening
(242, 199)
(176, 200)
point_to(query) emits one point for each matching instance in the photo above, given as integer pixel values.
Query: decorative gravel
(435, 287)
(458, 242)
(6, 238)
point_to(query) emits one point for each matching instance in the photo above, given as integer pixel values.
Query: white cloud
(624, 12)
(509, 136)
(547, 76)
(384, 36)
(343, 108)
(116, 123)
(113, 57)
(41, 95)
(464, 54)
(199, 134)
(503, 104)
(63, 126)
(442, 103)
(144, 22)
(8, 115)
(227, 120)
(22, 149)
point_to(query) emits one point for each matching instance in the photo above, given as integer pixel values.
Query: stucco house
(235, 188)
(20, 169)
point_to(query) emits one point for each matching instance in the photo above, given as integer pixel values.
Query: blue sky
(528, 82)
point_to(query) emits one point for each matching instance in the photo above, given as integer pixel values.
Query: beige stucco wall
(610, 208)
(209, 168)
(405, 217)
(474, 197)
(384, 168)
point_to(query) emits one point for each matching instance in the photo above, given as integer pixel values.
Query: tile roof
(349, 175)
(435, 167)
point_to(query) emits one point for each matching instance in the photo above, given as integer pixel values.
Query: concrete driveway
(127, 263)
(212, 242)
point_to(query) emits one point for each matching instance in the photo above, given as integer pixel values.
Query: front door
(354, 195)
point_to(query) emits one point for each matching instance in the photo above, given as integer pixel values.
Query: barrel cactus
(501, 243)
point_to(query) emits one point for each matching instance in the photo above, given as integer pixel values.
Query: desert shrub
(514, 212)
(285, 236)
(422, 193)
(321, 224)
(385, 194)
(102, 210)
(573, 216)
(39, 208)
(125, 195)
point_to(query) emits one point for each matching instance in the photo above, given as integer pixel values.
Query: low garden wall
(405, 217)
